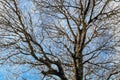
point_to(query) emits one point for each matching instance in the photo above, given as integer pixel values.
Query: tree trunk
(63, 77)
(78, 69)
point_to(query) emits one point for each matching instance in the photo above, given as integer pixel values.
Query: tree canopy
(62, 39)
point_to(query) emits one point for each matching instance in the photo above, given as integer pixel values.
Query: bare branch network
(62, 39)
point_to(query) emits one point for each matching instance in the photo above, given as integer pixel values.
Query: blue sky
(6, 70)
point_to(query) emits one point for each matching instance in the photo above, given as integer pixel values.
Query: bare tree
(63, 39)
